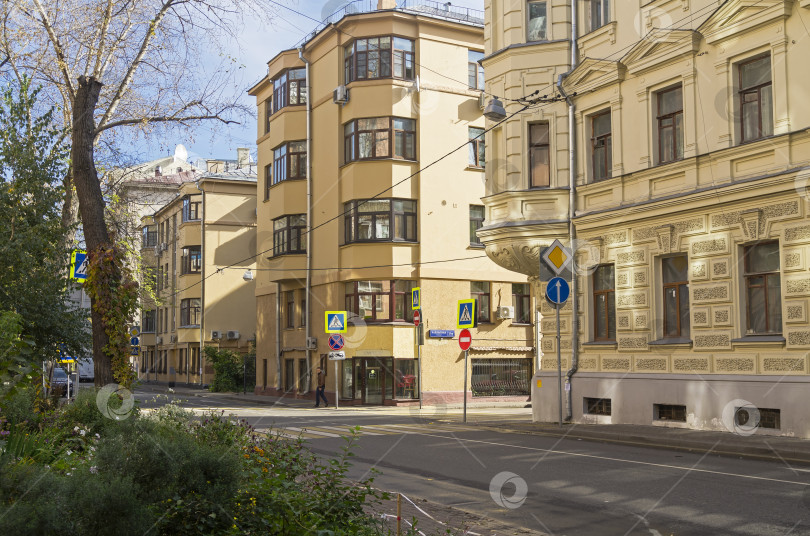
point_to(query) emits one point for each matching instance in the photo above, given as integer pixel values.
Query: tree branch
(165, 119)
(57, 46)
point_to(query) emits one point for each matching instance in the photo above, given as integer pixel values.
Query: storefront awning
(502, 348)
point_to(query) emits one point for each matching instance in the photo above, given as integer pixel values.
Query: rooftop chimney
(386, 4)
(157, 171)
(242, 157)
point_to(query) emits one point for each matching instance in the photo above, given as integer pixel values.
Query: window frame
(187, 263)
(606, 139)
(393, 57)
(268, 180)
(283, 157)
(352, 300)
(673, 128)
(189, 312)
(351, 140)
(289, 308)
(282, 85)
(541, 146)
(602, 7)
(148, 321)
(747, 276)
(741, 92)
(546, 25)
(477, 223)
(477, 154)
(191, 211)
(483, 312)
(475, 71)
(149, 236)
(610, 294)
(521, 301)
(282, 237)
(676, 285)
(396, 218)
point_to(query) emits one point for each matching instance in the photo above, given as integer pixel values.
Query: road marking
(635, 462)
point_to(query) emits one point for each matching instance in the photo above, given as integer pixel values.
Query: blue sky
(259, 43)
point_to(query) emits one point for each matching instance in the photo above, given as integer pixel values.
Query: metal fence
(501, 377)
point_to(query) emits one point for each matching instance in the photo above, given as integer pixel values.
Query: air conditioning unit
(506, 311)
(173, 338)
(158, 340)
(312, 343)
(340, 95)
(216, 335)
(233, 335)
(482, 101)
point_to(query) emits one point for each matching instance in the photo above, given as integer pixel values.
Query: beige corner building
(199, 247)
(690, 157)
(382, 95)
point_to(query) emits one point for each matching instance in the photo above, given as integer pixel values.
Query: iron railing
(501, 377)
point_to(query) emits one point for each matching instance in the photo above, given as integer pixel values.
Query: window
(370, 58)
(195, 359)
(303, 319)
(521, 300)
(268, 180)
(290, 161)
(191, 209)
(380, 301)
(675, 277)
(287, 231)
(600, 13)
(476, 222)
(148, 321)
(538, 156)
(477, 154)
(290, 299)
(149, 239)
(475, 72)
(160, 278)
(763, 289)
(289, 89)
(670, 124)
(367, 139)
(191, 260)
(370, 220)
(500, 377)
(268, 111)
(405, 378)
(756, 99)
(604, 301)
(537, 21)
(166, 275)
(479, 291)
(597, 406)
(601, 146)
(190, 312)
(159, 320)
(669, 412)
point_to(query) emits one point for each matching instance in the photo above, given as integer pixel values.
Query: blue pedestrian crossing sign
(78, 265)
(557, 290)
(416, 298)
(335, 322)
(465, 314)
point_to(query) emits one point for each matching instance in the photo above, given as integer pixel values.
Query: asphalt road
(546, 484)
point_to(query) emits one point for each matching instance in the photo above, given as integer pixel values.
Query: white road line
(310, 431)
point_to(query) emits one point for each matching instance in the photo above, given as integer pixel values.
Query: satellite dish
(180, 152)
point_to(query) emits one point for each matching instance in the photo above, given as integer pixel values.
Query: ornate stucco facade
(691, 148)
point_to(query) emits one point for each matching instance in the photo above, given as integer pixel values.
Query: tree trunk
(91, 205)
(70, 209)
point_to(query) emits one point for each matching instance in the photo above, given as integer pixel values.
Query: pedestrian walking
(320, 391)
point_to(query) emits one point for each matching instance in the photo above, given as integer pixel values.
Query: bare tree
(114, 65)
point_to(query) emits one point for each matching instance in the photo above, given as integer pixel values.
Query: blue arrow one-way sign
(557, 290)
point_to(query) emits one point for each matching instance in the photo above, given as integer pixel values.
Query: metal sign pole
(419, 364)
(337, 396)
(559, 360)
(464, 393)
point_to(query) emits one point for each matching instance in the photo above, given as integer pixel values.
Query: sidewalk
(757, 446)
(197, 391)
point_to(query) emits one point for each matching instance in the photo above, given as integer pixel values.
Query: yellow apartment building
(385, 107)
(199, 247)
(690, 156)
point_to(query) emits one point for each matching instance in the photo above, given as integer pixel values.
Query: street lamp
(495, 110)
(248, 276)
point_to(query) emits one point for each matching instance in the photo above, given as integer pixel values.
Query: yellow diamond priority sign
(557, 257)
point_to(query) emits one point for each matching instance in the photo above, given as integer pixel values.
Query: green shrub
(231, 369)
(21, 406)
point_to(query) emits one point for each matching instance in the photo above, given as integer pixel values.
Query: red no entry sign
(465, 339)
(417, 317)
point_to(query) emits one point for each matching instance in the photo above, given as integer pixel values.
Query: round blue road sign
(557, 290)
(336, 341)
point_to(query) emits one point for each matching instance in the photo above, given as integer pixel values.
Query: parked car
(86, 370)
(59, 382)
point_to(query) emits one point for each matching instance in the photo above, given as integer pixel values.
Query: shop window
(406, 381)
(501, 377)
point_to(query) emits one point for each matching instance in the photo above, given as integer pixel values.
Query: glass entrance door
(373, 390)
(374, 380)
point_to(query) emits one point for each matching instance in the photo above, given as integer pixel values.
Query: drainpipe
(202, 281)
(279, 385)
(308, 288)
(572, 201)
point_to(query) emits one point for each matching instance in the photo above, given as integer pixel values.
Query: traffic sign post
(464, 342)
(416, 298)
(336, 356)
(417, 318)
(335, 322)
(557, 292)
(465, 314)
(78, 265)
(336, 342)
